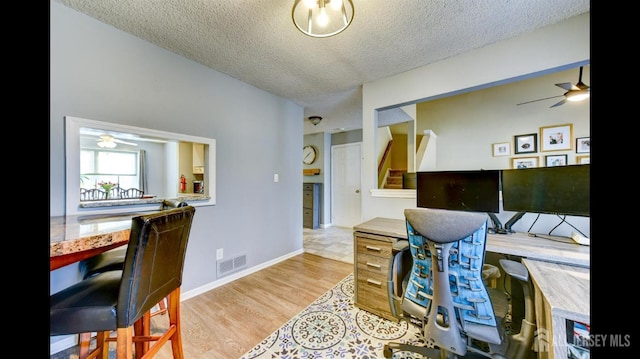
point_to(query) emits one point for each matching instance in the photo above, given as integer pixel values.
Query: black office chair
(118, 300)
(445, 292)
(113, 259)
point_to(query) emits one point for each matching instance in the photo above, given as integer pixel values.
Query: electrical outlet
(219, 254)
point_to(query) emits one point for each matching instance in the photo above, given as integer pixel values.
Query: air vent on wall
(231, 265)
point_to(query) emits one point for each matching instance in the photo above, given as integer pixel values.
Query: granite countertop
(76, 233)
(72, 234)
(187, 197)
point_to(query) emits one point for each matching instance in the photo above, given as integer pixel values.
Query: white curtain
(143, 171)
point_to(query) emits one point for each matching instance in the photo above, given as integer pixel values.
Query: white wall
(566, 44)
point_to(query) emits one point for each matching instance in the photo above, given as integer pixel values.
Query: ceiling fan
(577, 92)
(108, 141)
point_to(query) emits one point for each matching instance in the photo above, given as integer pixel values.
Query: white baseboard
(62, 343)
(228, 279)
(71, 340)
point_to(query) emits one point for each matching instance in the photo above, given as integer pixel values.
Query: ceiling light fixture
(322, 18)
(575, 96)
(106, 141)
(315, 119)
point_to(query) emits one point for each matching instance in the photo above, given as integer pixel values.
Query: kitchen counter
(72, 236)
(186, 197)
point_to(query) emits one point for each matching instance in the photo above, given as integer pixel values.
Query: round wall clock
(309, 154)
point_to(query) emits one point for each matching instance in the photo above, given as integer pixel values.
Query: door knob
(357, 191)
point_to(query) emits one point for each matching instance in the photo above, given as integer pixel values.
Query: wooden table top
(565, 288)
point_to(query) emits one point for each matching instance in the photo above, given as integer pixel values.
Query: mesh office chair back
(445, 289)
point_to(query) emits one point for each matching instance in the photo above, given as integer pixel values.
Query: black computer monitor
(471, 190)
(560, 190)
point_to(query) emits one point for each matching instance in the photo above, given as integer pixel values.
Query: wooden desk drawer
(373, 254)
(373, 247)
(373, 264)
(372, 294)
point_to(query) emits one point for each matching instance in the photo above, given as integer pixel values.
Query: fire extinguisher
(183, 184)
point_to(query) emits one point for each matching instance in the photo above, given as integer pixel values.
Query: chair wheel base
(388, 353)
(433, 353)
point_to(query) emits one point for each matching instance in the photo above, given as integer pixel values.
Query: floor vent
(228, 266)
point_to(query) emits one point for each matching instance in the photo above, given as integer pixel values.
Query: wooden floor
(228, 321)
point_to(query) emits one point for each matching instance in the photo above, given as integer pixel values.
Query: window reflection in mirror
(130, 166)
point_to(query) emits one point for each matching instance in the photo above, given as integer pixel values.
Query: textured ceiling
(256, 42)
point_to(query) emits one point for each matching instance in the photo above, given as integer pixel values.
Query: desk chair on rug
(113, 259)
(446, 294)
(118, 300)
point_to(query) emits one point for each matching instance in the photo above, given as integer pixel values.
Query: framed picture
(583, 145)
(524, 162)
(556, 138)
(582, 160)
(555, 160)
(501, 149)
(526, 143)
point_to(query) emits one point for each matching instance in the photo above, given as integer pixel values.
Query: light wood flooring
(229, 320)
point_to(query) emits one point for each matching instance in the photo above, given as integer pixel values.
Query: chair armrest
(515, 269)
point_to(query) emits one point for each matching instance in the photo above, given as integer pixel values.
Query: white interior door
(346, 178)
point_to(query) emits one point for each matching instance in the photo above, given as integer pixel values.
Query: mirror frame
(72, 153)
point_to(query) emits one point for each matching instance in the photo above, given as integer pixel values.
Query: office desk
(559, 269)
(74, 238)
(562, 293)
(559, 250)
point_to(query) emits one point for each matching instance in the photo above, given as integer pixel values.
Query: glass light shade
(576, 96)
(107, 144)
(315, 119)
(323, 18)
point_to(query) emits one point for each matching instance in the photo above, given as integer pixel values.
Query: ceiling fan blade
(540, 99)
(568, 86)
(559, 103)
(124, 142)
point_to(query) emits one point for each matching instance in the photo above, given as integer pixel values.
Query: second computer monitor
(465, 190)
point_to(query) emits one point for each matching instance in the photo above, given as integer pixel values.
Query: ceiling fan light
(576, 96)
(106, 144)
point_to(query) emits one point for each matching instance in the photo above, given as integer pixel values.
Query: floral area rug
(332, 327)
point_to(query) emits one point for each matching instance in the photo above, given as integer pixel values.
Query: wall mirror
(133, 168)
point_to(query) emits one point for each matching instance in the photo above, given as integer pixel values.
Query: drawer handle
(373, 265)
(375, 282)
(377, 249)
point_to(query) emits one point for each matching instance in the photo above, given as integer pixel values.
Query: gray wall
(99, 72)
